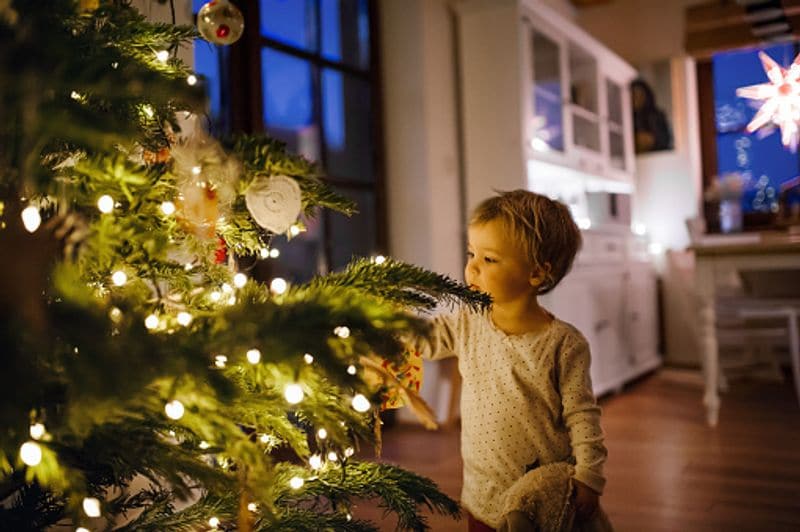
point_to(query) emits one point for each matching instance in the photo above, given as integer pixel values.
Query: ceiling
(718, 25)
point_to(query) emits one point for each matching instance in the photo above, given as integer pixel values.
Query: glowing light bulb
(213, 522)
(196, 170)
(184, 318)
(119, 278)
(322, 433)
(91, 506)
(168, 208)
(174, 409)
(278, 286)
(115, 314)
(351, 369)
(274, 253)
(342, 332)
(379, 259)
(191, 79)
(31, 453)
(655, 248)
(162, 55)
(105, 204)
(253, 507)
(264, 252)
(265, 438)
(75, 96)
(638, 228)
(204, 445)
(37, 431)
(254, 356)
(151, 321)
(315, 461)
(31, 218)
(227, 288)
(361, 403)
(296, 483)
(294, 230)
(308, 358)
(214, 296)
(148, 111)
(349, 452)
(82, 529)
(293, 393)
(332, 456)
(220, 361)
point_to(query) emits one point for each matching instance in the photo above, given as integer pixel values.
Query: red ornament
(223, 31)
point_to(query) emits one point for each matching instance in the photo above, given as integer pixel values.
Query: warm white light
(315, 461)
(349, 517)
(105, 203)
(254, 356)
(220, 361)
(82, 529)
(274, 253)
(214, 296)
(31, 453)
(162, 55)
(115, 314)
(342, 332)
(638, 228)
(294, 230)
(151, 321)
(349, 452)
(332, 456)
(655, 248)
(264, 253)
(184, 318)
(91, 506)
(322, 433)
(583, 223)
(213, 522)
(379, 259)
(361, 403)
(227, 288)
(196, 170)
(31, 218)
(204, 445)
(239, 280)
(75, 96)
(351, 369)
(296, 483)
(174, 409)
(265, 438)
(232, 300)
(539, 145)
(191, 79)
(308, 358)
(253, 507)
(119, 278)
(278, 286)
(148, 110)
(168, 208)
(293, 393)
(37, 431)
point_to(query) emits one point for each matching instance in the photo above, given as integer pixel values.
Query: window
(304, 72)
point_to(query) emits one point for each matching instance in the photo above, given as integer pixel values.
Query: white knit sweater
(525, 398)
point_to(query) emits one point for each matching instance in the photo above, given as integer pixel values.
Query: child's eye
(470, 255)
(490, 260)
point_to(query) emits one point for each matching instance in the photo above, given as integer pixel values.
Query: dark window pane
(303, 256)
(207, 63)
(346, 121)
(355, 235)
(345, 31)
(288, 90)
(292, 22)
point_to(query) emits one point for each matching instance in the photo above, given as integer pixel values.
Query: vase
(730, 216)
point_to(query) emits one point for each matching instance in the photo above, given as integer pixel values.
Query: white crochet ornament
(274, 202)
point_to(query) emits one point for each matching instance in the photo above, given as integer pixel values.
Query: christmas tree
(147, 384)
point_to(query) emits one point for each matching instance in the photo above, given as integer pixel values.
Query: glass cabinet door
(548, 110)
(583, 99)
(616, 137)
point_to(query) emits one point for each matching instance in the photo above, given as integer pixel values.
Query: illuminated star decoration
(781, 98)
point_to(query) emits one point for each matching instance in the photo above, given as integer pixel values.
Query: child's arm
(441, 341)
(581, 414)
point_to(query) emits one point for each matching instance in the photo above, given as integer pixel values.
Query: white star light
(781, 97)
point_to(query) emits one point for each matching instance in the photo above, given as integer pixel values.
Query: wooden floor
(666, 471)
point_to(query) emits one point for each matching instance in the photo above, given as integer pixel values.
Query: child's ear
(538, 275)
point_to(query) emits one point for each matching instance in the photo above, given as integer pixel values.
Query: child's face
(496, 264)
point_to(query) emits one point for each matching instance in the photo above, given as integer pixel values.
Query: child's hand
(585, 500)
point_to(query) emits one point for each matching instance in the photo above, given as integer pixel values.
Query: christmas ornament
(200, 160)
(781, 98)
(274, 202)
(220, 22)
(199, 209)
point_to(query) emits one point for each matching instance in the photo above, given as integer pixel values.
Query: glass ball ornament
(220, 22)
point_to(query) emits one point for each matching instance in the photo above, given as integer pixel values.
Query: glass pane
(288, 93)
(586, 132)
(345, 31)
(208, 62)
(583, 74)
(356, 235)
(548, 118)
(292, 22)
(302, 257)
(617, 149)
(346, 122)
(614, 93)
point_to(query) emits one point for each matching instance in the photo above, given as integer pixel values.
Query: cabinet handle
(600, 325)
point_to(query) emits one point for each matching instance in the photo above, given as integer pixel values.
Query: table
(718, 257)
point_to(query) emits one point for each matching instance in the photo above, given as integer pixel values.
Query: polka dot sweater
(525, 399)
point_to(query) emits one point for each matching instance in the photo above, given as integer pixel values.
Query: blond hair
(543, 228)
